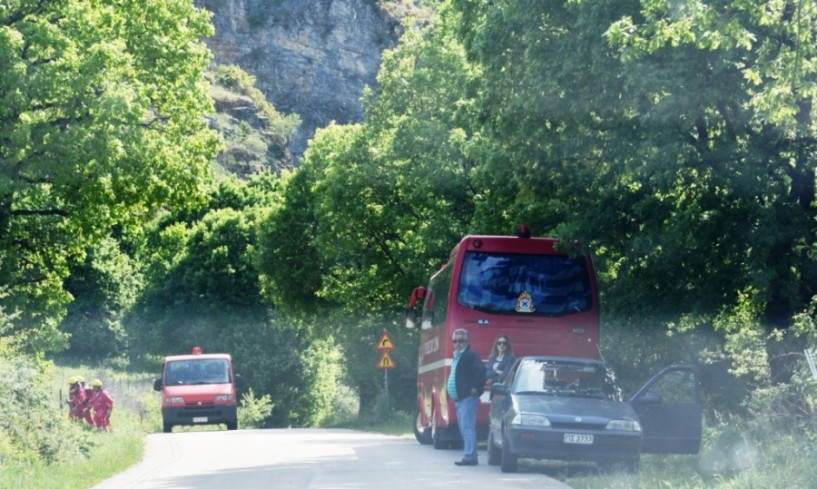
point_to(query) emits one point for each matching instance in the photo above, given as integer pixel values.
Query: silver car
(565, 408)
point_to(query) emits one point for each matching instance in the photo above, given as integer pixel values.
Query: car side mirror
(157, 384)
(498, 388)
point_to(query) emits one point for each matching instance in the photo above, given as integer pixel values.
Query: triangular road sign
(386, 361)
(385, 342)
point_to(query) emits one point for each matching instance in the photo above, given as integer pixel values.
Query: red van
(198, 389)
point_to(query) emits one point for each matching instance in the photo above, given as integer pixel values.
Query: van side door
(670, 410)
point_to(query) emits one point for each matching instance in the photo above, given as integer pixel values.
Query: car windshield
(198, 371)
(573, 378)
(539, 285)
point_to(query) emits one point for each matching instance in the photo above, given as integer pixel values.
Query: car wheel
(421, 433)
(632, 464)
(167, 427)
(509, 461)
(232, 425)
(494, 453)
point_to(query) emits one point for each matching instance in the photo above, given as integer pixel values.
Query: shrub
(34, 427)
(253, 411)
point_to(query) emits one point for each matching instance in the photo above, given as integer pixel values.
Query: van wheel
(168, 427)
(232, 425)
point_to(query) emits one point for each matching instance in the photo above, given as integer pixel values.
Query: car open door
(670, 410)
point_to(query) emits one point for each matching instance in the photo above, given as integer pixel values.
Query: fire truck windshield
(538, 285)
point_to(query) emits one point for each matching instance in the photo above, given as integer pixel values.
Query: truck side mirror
(239, 381)
(411, 318)
(417, 296)
(157, 384)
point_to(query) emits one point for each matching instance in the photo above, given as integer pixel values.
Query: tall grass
(136, 412)
(781, 460)
(113, 453)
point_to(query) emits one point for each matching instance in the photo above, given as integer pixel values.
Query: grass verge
(112, 453)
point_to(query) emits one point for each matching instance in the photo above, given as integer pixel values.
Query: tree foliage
(677, 139)
(102, 108)
(104, 288)
(386, 199)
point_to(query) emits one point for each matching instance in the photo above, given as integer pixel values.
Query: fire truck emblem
(525, 302)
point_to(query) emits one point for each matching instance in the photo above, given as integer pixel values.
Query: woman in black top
(500, 360)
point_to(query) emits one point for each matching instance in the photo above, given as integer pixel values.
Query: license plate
(578, 439)
(203, 419)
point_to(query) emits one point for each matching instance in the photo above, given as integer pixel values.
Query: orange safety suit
(76, 401)
(102, 403)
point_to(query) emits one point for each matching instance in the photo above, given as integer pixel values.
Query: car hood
(570, 407)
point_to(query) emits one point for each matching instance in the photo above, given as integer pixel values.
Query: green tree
(289, 262)
(200, 270)
(375, 208)
(392, 196)
(657, 133)
(105, 286)
(676, 139)
(740, 90)
(102, 107)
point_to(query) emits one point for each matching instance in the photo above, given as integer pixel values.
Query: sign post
(386, 363)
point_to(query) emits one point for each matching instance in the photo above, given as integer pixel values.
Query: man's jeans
(467, 420)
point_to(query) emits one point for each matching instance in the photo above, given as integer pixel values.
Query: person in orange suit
(76, 399)
(102, 404)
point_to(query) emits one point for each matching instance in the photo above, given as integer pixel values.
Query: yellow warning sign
(386, 361)
(385, 342)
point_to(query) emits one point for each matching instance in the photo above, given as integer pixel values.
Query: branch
(21, 14)
(40, 212)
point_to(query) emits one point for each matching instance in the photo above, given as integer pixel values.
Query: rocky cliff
(310, 57)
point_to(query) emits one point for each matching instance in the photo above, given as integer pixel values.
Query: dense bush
(34, 427)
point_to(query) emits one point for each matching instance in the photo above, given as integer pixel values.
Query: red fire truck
(540, 292)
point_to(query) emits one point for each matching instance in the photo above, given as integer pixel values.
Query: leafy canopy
(102, 108)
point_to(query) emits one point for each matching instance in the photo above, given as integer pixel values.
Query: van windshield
(538, 285)
(198, 371)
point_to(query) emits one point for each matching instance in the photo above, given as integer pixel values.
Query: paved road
(309, 459)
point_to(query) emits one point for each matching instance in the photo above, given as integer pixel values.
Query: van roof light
(196, 350)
